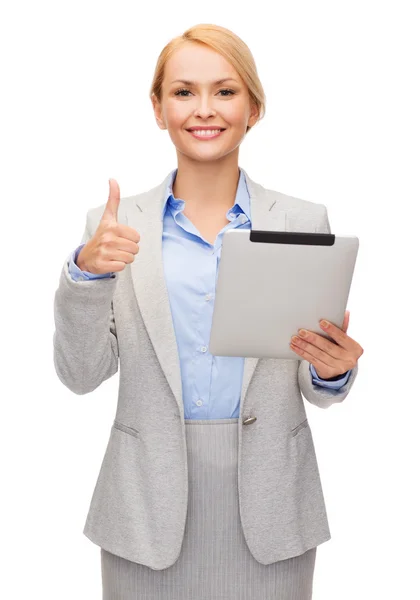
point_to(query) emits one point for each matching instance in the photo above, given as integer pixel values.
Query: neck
(206, 187)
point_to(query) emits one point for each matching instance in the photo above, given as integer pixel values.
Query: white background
(342, 128)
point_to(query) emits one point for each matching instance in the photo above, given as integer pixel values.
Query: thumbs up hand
(113, 245)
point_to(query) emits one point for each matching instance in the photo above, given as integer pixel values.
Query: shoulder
(287, 202)
(301, 214)
(281, 200)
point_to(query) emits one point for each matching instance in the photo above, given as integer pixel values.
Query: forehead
(198, 63)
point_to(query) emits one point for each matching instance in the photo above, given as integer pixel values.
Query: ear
(157, 108)
(253, 118)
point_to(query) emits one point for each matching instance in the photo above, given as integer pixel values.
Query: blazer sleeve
(322, 396)
(85, 337)
(318, 395)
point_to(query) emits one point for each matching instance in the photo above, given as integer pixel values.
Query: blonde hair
(226, 43)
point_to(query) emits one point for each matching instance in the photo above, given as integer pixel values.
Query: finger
(122, 244)
(346, 321)
(340, 336)
(323, 349)
(127, 232)
(314, 360)
(113, 203)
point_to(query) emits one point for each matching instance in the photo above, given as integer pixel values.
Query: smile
(206, 135)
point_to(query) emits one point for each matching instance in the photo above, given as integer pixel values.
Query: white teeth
(206, 132)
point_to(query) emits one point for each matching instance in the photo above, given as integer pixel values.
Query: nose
(204, 109)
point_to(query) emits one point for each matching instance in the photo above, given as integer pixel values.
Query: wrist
(336, 378)
(80, 263)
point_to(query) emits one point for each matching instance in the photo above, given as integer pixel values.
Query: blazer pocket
(126, 428)
(299, 427)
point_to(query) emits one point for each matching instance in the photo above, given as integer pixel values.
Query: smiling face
(203, 103)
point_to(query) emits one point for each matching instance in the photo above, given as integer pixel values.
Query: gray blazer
(139, 503)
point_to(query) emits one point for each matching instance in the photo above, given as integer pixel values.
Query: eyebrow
(219, 81)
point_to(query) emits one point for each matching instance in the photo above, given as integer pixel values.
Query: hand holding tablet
(328, 358)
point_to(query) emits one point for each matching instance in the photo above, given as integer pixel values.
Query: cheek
(176, 115)
(234, 113)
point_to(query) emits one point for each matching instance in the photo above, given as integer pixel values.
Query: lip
(206, 137)
(205, 127)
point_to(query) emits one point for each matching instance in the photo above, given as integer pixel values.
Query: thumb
(111, 208)
(345, 325)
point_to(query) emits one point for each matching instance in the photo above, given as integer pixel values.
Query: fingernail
(324, 324)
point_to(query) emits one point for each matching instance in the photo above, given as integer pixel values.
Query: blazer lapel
(147, 272)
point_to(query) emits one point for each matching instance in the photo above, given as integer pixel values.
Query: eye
(179, 92)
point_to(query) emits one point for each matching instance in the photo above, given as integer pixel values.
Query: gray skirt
(215, 562)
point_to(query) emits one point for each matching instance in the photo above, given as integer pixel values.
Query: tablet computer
(270, 284)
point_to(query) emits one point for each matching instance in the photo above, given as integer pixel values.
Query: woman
(225, 502)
